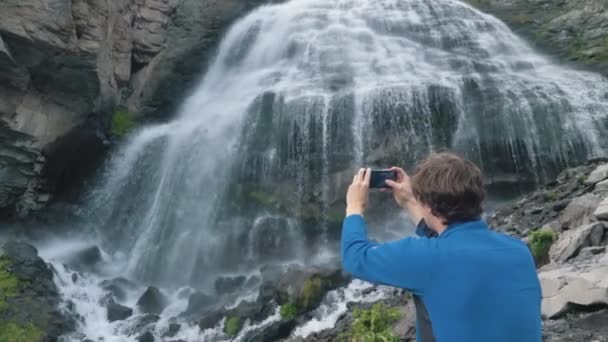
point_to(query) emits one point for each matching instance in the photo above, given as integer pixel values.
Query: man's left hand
(358, 192)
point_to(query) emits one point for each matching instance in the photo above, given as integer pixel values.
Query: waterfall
(254, 167)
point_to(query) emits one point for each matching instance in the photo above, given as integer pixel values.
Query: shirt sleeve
(406, 263)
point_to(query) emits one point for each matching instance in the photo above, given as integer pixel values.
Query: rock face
(574, 30)
(152, 301)
(30, 299)
(66, 65)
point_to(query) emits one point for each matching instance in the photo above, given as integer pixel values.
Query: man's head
(450, 188)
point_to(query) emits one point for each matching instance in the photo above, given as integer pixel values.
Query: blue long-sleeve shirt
(477, 285)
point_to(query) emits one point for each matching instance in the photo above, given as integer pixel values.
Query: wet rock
(580, 211)
(173, 329)
(146, 337)
(87, 259)
(117, 312)
(307, 287)
(601, 188)
(141, 323)
(225, 285)
(152, 301)
(210, 320)
(118, 287)
(599, 174)
(570, 286)
(34, 300)
(199, 303)
(275, 332)
(571, 242)
(577, 327)
(601, 213)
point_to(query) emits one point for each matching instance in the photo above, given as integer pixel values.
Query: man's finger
(391, 183)
(400, 172)
(360, 175)
(368, 176)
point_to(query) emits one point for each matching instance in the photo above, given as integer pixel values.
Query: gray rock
(570, 242)
(598, 175)
(146, 337)
(579, 211)
(569, 285)
(601, 213)
(152, 301)
(224, 285)
(601, 188)
(117, 312)
(86, 259)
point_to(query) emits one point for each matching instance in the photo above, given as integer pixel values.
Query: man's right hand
(402, 188)
(402, 191)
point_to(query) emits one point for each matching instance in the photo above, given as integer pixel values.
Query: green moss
(11, 332)
(550, 196)
(311, 293)
(289, 311)
(373, 325)
(540, 242)
(9, 284)
(263, 198)
(122, 123)
(233, 325)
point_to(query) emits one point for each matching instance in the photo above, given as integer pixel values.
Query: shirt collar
(466, 225)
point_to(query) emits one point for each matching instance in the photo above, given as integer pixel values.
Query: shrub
(122, 123)
(233, 325)
(540, 242)
(373, 325)
(289, 311)
(11, 332)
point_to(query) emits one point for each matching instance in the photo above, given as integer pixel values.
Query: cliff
(574, 31)
(67, 65)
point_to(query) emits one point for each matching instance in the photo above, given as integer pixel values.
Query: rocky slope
(573, 212)
(67, 65)
(573, 30)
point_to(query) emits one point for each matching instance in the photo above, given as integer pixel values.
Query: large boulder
(572, 241)
(580, 211)
(117, 312)
(152, 301)
(29, 303)
(599, 174)
(601, 213)
(568, 286)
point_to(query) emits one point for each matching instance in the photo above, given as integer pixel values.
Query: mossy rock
(289, 311)
(122, 123)
(9, 284)
(233, 326)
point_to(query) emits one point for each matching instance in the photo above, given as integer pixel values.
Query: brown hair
(451, 186)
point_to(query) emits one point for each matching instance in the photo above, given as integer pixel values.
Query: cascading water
(253, 169)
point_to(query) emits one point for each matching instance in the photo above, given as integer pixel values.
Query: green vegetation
(373, 325)
(540, 243)
(8, 283)
(289, 311)
(11, 332)
(233, 325)
(550, 196)
(122, 123)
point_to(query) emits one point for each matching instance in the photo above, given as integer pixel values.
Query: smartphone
(378, 178)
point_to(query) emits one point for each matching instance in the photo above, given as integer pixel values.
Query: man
(476, 285)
